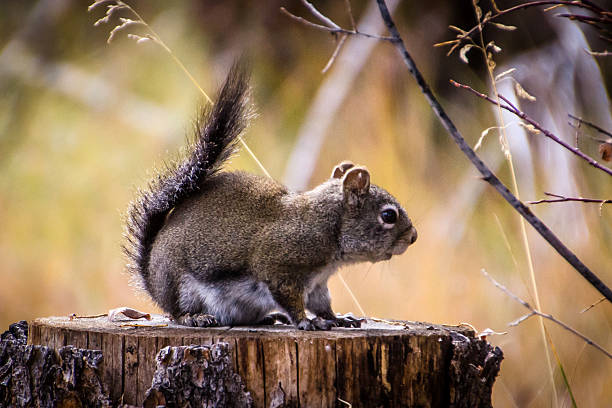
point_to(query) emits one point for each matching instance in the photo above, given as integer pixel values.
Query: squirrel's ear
(341, 168)
(356, 184)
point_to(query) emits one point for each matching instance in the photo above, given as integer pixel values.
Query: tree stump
(388, 364)
(39, 376)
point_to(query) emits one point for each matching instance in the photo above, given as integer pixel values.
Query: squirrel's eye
(388, 216)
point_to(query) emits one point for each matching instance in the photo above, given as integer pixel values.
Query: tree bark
(40, 376)
(193, 376)
(391, 365)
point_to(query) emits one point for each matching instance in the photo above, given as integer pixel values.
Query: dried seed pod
(605, 150)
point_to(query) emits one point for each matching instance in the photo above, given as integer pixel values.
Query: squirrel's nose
(412, 235)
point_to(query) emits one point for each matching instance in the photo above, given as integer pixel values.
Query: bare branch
(521, 319)
(599, 53)
(593, 6)
(577, 127)
(319, 15)
(487, 174)
(591, 125)
(335, 54)
(587, 5)
(309, 23)
(535, 312)
(561, 199)
(350, 13)
(592, 305)
(338, 30)
(503, 289)
(513, 109)
(589, 20)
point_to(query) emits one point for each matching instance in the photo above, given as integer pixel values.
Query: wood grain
(380, 364)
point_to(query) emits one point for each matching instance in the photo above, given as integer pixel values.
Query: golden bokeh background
(83, 123)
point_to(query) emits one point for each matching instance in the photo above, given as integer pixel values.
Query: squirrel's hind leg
(197, 320)
(239, 300)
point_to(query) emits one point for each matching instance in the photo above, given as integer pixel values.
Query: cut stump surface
(381, 364)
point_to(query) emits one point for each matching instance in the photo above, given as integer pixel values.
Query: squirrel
(214, 247)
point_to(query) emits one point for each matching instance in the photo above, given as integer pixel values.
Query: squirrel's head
(374, 225)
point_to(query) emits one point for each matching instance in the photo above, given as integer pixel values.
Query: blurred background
(83, 123)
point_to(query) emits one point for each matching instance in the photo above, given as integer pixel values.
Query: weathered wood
(251, 368)
(196, 376)
(147, 349)
(405, 364)
(316, 370)
(280, 356)
(130, 369)
(41, 376)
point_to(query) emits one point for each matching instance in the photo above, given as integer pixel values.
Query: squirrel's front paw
(318, 323)
(348, 320)
(272, 318)
(197, 320)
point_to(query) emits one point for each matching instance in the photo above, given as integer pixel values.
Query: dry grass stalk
(535, 312)
(117, 5)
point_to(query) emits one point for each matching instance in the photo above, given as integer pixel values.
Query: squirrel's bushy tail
(217, 130)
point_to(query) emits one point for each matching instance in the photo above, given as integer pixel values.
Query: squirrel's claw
(272, 318)
(318, 323)
(306, 324)
(197, 320)
(324, 324)
(348, 320)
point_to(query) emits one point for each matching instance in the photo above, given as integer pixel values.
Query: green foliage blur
(83, 124)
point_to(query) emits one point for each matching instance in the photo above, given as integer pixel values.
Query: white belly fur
(238, 302)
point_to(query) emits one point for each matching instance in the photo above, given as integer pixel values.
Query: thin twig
(325, 20)
(591, 125)
(520, 319)
(335, 54)
(348, 289)
(75, 316)
(136, 325)
(561, 199)
(581, 4)
(592, 305)
(350, 13)
(578, 134)
(605, 38)
(487, 174)
(338, 30)
(309, 23)
(535, 312)
(593, 6)
(599, 53)
(514, 110)
(589, 20)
